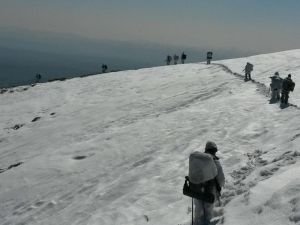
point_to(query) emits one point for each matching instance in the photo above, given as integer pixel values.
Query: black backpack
(288, 85)
(202, 191)
(291, 86)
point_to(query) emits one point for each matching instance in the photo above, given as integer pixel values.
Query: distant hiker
(175, 58)
(169, 59)
(275, 86)
(248, 69)
(204, 183)
(104, 68)
(183, 57)
(287, 86)
(38, 77)
(208, 57)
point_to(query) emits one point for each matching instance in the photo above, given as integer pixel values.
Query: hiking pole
(192, 211)
(218, 195)
(219, 200)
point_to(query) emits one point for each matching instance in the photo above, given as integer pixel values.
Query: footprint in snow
(17, 126)
(295, 137)
(79, 157)
(36, 119)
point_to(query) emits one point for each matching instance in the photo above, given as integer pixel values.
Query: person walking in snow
(287, 86)
(275, 86)
(169, 59)
(175, 58)
(104, 68)
(38, 77)
(204, 210)
(248, 69)
(208, 57)
(183, 57)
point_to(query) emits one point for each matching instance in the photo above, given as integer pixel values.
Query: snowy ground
(113, 148)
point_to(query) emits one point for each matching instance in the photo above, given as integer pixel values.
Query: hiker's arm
(220, 177)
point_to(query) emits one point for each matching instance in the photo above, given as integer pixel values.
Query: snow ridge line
(262, 87)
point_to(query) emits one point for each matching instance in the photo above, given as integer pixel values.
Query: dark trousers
(284, 97)
(247, 76)
(275, 94)
(203, 212)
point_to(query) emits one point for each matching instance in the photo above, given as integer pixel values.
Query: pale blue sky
(256, 25)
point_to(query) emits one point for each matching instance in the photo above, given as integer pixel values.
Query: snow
(114, 148)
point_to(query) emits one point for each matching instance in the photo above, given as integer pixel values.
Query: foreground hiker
(204, 183)
(287, 86)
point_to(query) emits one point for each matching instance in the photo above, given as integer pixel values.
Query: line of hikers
(183, 58)
(175, 58)
(278, 85)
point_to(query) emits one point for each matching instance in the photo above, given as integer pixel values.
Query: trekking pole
(192, 211)
(219, 200)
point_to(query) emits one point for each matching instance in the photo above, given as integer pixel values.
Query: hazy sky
(257, 25)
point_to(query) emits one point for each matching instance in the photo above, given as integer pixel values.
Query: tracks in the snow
(255, 170)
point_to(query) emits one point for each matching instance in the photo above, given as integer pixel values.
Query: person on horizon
(248, 69)
(38, 77)
(208, 57)
(183, 57)
(287, 86)
(104, 68)
(169, 59)
(275, 86)
(175, 58)
(204, 210)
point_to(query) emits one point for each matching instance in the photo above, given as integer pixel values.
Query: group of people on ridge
(183, 58)
(175, 58)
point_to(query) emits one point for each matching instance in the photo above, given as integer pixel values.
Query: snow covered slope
(113, 148)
